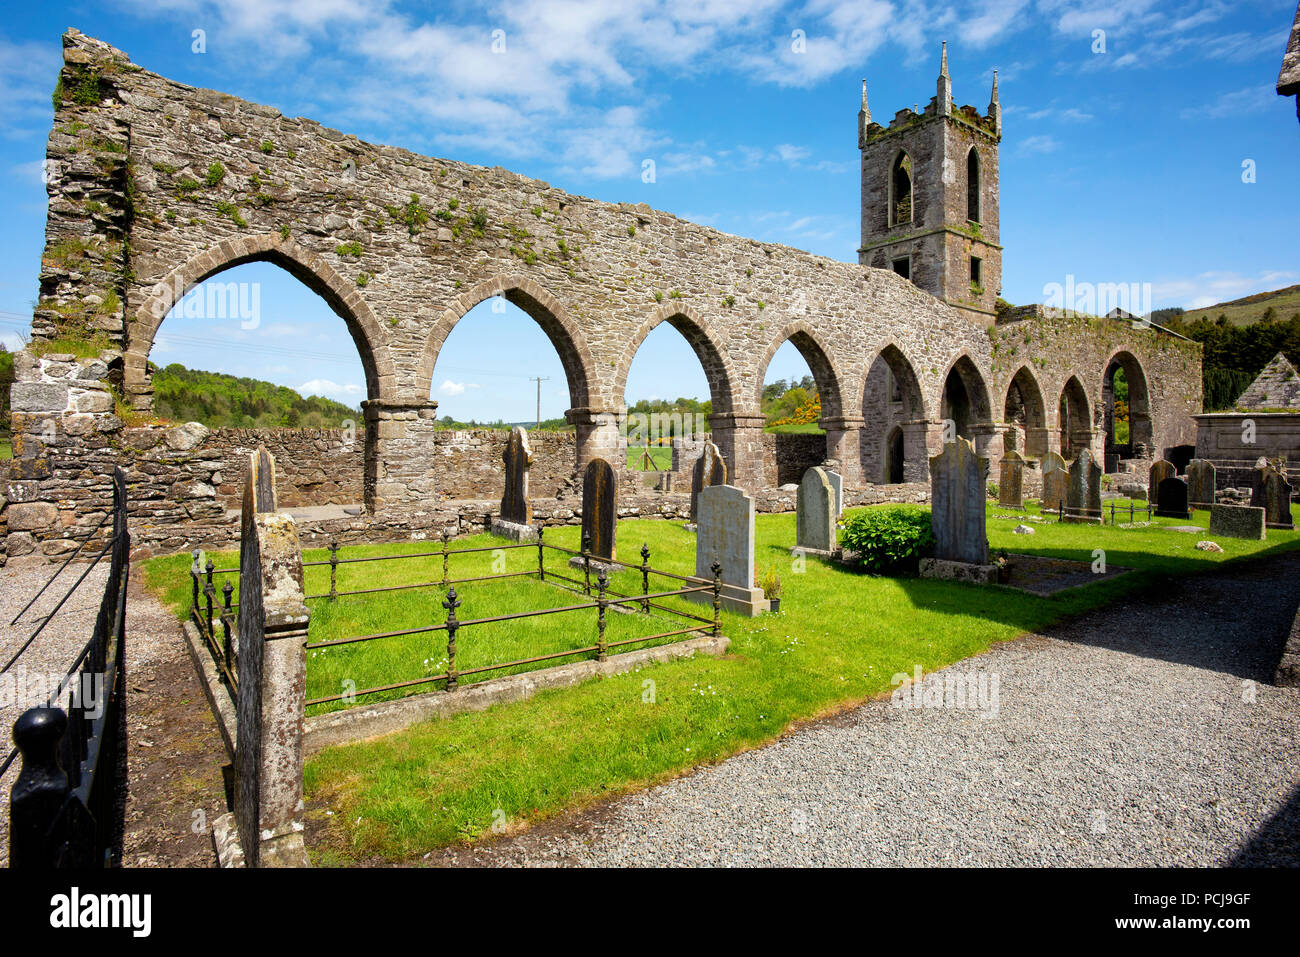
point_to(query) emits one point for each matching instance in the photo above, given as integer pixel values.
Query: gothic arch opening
(900, 190)
(1126, 410)
(892, 445)
(966, 402)
(790, 406)
(1025, 416)
(973, 185)
(1074, 419)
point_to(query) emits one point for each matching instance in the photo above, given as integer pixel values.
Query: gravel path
(1142, 734)
(152, 638)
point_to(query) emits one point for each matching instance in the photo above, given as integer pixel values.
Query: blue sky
(1117, 165)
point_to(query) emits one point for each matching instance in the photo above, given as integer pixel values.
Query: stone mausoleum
(155, 186)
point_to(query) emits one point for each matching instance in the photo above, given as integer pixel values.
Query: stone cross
(599, 508)
(518, 456)
(1083, 489)
(725, 534)
(957, 504)
(1159, 471)
(1200, 483)
(1011, 480)
(272, 627)
(815, 512)
(709, 469)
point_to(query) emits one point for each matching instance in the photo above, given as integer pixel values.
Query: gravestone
(957, 490)
(1171, 498)
(1272, 492)
(1054, 479)
(516, 520)
(1083, 489)
(725, 534)
(272, 628)
(815, 513)
(709, 469)
(1159, 471)
(1238, 521)
(837, 484)
(1011, 480)
(599, 509)
(1200, 483)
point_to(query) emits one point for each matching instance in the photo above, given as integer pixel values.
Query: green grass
(1249, 310)
(661, 455)
(839, 640)
(6, 449)
(801, 428)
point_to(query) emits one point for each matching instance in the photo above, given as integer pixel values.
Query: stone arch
(1024, 415)
(817, 355)
(302, 264)
(892, 445)
(704, 341)
(542, 307)
(1074, 421)
(965, 399)
(1141, 427)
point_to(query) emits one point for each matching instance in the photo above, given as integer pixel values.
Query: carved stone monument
(1054, 482)
(599, 512)
(1083, 489)
(725, 534)
(1171, 498)
(516, 519)
(957, 490)
(1200, 483)
(815, 513)
(709, 469)
(1011, 480)
(1159, 471)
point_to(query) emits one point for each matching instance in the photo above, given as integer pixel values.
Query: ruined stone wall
(155, 186)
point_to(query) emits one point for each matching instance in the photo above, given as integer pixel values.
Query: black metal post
(586, 562)
(194, 574)
(541, 554)
(227, 590)
(716, 568)
(451, 603)
(39, 792)
(446, 558)
(645, 576)
(334, 569)
(210, 593)
(602, 583)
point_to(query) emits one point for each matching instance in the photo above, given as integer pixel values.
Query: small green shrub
(216, 173)
(890, 538)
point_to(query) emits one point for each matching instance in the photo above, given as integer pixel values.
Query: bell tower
(930, 197)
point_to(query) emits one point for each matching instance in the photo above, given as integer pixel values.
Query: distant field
(6, 450)
(661, 455)
(1244, 312)
(803, 428)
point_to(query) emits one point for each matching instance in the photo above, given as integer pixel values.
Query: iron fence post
(451, 603)
(194, 575)
(227, 590)
(446, 558)
(209, 593)
(39, 792)
(586, 562)
(334, 569)
(645, 576)
(541, 557)
(602, 603)
(716, 568)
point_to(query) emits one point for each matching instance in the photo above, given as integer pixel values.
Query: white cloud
(1039, 144)
(1215, 286)
(1253, 99)
(329, 389)
(456, 388)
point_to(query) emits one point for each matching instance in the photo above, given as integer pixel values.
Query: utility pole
(539, 380)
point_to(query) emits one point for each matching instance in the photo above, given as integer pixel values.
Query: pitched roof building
(1277, 387)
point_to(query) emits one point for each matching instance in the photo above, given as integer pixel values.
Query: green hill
(1285, 303)
(218, 400)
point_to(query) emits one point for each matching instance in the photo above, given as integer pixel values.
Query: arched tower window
(900, 188)
(973, 185)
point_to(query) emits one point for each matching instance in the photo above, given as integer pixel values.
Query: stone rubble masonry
(1276, 388)
(154, 186)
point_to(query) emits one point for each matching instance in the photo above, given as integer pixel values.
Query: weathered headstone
(1200, 483)
(815, 513)
(272, 627)
(837, 485)
(1083, 489)
(1054, 479)
(725, 534)
(709, 469)
(1011, 480)
(1159, 471)
(1238, 521)
(957, 489)
(1272, 492)
(516, 520)
(599, 508)
(1171, 498)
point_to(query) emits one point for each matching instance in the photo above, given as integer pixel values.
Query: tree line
(1234, 355)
